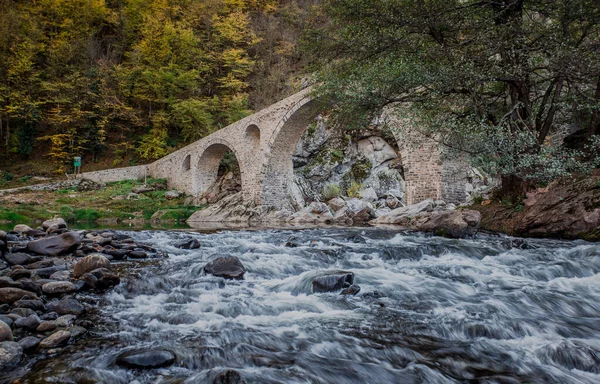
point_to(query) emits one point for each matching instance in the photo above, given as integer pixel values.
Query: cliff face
(569, 211)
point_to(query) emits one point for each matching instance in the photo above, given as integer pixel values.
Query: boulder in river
(66, 306)
(56, 287)
(57, 222)
(351, 290)
(228, 267)
(146, 359)
(229, 377)
(10, 354)
(10, 295)
(189, 244)
(101, 279)
(17, 258)
(5, 332)
(89, 263)
(55, 245)
(56, 339)
(332, 282)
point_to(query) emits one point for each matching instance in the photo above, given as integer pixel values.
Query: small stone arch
(187, 163)
(208, 166)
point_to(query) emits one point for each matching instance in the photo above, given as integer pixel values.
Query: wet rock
(22, 228)
(146, 359)
(65, 321)
(10, 295)
(101, 279)
(229, 377)
(50, 316)
(49, 271)
(36, 305)
(35, 233)
(57, 287)
(189, 244)
(3, 242)
(57, 222)
(46, 326)
(45, 263)
(9, 321)
(137, 255)
(66, 306)
(89, 263)
(228, 267)
(61, 275)
(117, 254)
(17, 258)
(6, 281)
(357, 239)
(17, 274)
(332, 282)
(455, 224)
(56, 339)
(29, 343)
(55, 245)
(351, 290)
(10, 354)
(5, 332)
(22, 312)
(30, 322)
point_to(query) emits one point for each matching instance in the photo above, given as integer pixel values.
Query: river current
(431, 310)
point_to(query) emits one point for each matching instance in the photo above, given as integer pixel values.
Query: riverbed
(493, 309)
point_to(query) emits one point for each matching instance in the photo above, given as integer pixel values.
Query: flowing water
(431, 310)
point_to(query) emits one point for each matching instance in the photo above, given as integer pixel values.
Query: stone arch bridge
(263, 144)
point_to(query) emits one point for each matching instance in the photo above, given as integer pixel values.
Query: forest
(126, 82)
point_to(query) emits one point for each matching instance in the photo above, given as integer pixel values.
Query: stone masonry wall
(116, 174)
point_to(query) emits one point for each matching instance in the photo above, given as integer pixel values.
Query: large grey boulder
(146, 359)
(404, 215)
(56, 223)
(376, 150)
(227, 267)
(55, 245)
(22, 228)
(332, 281)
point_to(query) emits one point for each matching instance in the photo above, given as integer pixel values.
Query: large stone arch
(278, 171)
(207, 166)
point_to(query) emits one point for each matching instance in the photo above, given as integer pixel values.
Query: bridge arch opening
(216, 160)
(279, 170)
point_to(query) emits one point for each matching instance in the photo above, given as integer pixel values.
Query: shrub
(330, 191)
(354, 189)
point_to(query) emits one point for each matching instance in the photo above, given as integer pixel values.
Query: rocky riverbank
(51, 279)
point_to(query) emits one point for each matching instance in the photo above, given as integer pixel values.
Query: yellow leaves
(233, 28)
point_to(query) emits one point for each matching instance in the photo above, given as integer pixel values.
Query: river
(431, 310)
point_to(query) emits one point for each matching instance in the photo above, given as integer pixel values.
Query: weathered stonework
(264, 143)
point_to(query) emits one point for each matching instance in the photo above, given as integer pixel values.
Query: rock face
(89, 263)
(227, 267)
(430, 216)
(332, 282)
(567, 211)
(146, 359)
(55, 245)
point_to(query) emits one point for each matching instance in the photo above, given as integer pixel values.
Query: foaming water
(430, 310)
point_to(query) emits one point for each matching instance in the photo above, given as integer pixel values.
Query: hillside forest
(126, 82)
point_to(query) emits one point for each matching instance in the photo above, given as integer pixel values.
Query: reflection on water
(431, 310)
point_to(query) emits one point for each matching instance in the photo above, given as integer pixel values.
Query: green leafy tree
(474, 75)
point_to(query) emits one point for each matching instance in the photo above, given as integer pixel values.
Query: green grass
(108, 203)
